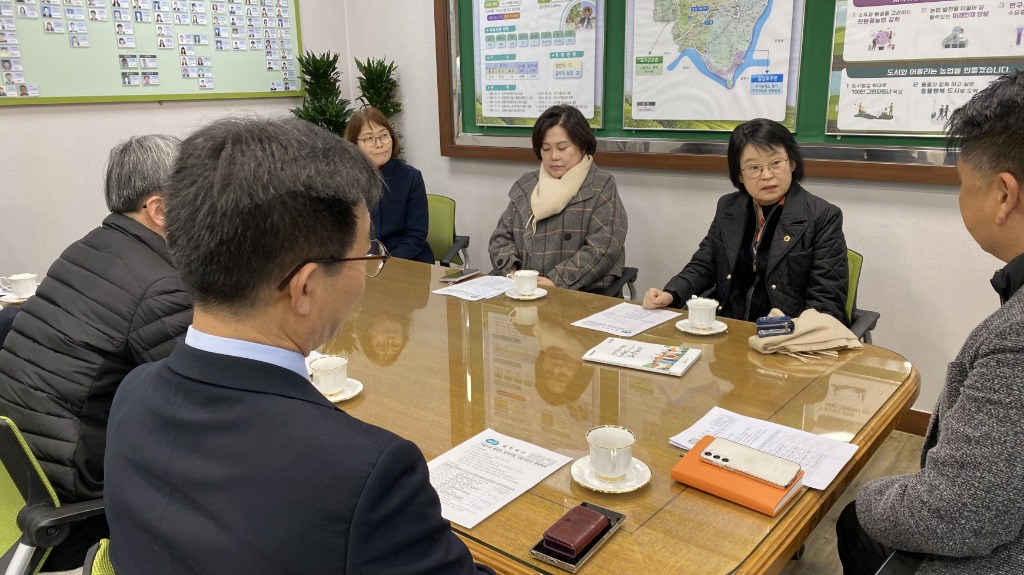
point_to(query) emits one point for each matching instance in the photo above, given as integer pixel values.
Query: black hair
(764, 134)
(989, 128)
(574, 124)
(249, 198)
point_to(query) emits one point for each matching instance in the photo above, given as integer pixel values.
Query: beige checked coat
(581, 248)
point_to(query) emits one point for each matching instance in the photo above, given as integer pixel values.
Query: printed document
(479, 476)
(821, 458)
(626, 319)
(479, 288)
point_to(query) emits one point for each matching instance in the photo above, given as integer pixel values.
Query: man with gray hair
(223, 458)
(112, 301)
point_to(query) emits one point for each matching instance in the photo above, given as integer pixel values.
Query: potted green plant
(378, 85)
(323, 103)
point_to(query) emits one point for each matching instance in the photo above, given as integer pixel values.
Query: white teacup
(611, 451)
(526, 281)
(330, 373)
(702, 312)
(526, 315)
(21, 285)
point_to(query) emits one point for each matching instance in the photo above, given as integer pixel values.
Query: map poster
(900, 67)
(533, 54)
(711, 64)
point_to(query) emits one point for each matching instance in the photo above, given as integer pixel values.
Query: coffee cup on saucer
(330, 373)
(701, 312)
(21, 285)
(526, 282)
(611, 451)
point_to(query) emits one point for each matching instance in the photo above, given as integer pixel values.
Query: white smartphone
(763, 467)
(459, 275)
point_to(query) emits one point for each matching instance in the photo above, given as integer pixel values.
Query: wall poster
(899, 67)
(533, 54)
(711, 64)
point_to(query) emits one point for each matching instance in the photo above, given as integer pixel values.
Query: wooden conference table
(438, 370)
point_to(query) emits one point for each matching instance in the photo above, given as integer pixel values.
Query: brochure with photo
(659, 358)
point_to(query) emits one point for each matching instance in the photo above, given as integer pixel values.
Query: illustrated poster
(533, 54)
(900, 67)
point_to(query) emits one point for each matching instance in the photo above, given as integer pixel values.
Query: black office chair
(861, 321)
(32, 519)
(626, 281)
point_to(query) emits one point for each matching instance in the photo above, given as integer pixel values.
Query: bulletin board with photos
(77, 51)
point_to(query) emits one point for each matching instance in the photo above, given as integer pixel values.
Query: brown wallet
(571, 534)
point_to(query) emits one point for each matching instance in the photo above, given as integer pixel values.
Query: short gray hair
(137, 168)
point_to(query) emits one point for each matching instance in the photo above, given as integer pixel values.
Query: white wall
(919, 260)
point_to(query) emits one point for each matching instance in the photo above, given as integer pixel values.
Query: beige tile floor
(899, 455)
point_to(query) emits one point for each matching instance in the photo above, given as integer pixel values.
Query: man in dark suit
(224, 458)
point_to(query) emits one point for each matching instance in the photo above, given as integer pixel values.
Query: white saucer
(717, 327)
(352, 388)
(636, 477)
(11, 298)
(539, 293)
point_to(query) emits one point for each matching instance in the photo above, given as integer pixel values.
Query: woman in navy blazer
(400, 219)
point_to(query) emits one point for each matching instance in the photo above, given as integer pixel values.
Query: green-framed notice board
(788, 64)
(79, 51)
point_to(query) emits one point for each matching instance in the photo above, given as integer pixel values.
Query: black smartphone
(459, 275)
(574, 564)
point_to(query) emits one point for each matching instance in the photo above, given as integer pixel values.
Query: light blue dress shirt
(285, 358)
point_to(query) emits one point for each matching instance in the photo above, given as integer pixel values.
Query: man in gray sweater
(963, 512)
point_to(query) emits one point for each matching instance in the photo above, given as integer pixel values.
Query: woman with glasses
(401, 218)
(565, 219)
(772, 244)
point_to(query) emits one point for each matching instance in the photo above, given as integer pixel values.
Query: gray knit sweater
(965, 507)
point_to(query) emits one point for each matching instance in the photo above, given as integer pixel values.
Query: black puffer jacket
(112, 301)
(806, 265)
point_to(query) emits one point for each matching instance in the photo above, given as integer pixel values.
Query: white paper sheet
(478, 288)
(626, 319)
(482, 474)
(820, 457)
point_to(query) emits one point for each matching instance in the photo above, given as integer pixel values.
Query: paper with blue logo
(626, 319)
(479, 476)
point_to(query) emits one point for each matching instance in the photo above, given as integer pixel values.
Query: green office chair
(861, 321)
(97, 561)
(447, 246)
(32, 519)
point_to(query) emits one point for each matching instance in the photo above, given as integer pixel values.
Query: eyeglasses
(370, 141)
(375, 260)
(775, 166)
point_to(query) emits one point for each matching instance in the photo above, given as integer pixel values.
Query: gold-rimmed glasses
(754, 171)
(375, 260)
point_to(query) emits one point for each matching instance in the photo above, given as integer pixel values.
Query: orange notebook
(726, 484)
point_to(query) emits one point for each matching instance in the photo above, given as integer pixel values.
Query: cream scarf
(552, 194)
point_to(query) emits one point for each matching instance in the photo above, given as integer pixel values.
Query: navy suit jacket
(218, 464)
(401, 218)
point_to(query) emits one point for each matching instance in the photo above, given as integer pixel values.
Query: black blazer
(806, 262)
(218, 464)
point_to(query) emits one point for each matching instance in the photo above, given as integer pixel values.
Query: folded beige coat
(814, 334)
